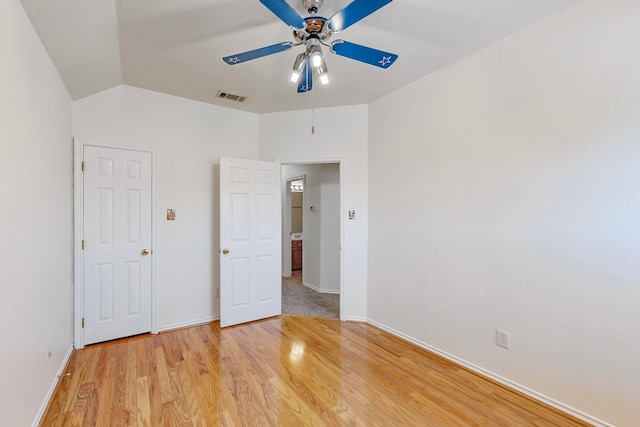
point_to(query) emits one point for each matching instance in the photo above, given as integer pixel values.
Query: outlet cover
(502, 339)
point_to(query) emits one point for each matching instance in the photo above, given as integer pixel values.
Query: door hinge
(83, 323)
(82, 166)
(83, 244)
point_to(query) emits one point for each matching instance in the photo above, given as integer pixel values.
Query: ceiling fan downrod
(313, 6)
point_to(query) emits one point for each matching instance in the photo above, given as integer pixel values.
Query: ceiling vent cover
(230, 96)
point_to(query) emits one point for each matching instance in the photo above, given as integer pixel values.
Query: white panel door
(250, 276)
(117, 243)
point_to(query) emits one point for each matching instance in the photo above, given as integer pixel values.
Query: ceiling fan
(313, 32)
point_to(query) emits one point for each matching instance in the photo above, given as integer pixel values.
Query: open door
(250, 239)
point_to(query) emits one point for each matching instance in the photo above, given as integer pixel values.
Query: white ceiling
(176, 46)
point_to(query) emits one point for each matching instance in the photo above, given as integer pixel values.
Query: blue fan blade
(286, 13)
(257, 53)
(354, 12)
(363, 54)
(306, 78)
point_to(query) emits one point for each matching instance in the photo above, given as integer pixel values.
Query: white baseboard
(188, 324)
(511, 384)
(322, 291)
(356, 319)
(52, 388)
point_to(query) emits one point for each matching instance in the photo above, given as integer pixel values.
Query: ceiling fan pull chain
(313, 117)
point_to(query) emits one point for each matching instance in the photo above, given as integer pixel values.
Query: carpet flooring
(298, 299)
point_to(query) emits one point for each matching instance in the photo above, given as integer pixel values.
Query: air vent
(230, 96)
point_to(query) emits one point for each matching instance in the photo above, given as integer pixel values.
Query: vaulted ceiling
(176, 46)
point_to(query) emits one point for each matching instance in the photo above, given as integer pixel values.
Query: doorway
(311, 240)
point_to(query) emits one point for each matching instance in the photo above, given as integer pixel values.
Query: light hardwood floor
(284, 371)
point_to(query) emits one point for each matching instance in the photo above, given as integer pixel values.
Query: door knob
(145, 252)
(225, 251)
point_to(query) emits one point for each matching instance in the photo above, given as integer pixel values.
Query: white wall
(523, 164)
(330, 226)
(189, 138)
(340, 133)
(37, 219)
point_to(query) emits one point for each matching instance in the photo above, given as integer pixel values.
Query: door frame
(343, 218)
(78, 234)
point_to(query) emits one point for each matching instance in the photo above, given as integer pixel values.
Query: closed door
(250, 228)
(117, 243)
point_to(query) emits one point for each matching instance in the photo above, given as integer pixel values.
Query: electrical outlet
(502, 339)
(218, 292)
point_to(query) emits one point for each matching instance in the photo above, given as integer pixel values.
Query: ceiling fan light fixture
(315, 53)
(321, 73)
(316, 60)
(297, 67)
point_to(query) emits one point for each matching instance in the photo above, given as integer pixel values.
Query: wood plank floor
(285, 371)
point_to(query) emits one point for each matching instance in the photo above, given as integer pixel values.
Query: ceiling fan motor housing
(315, 28)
